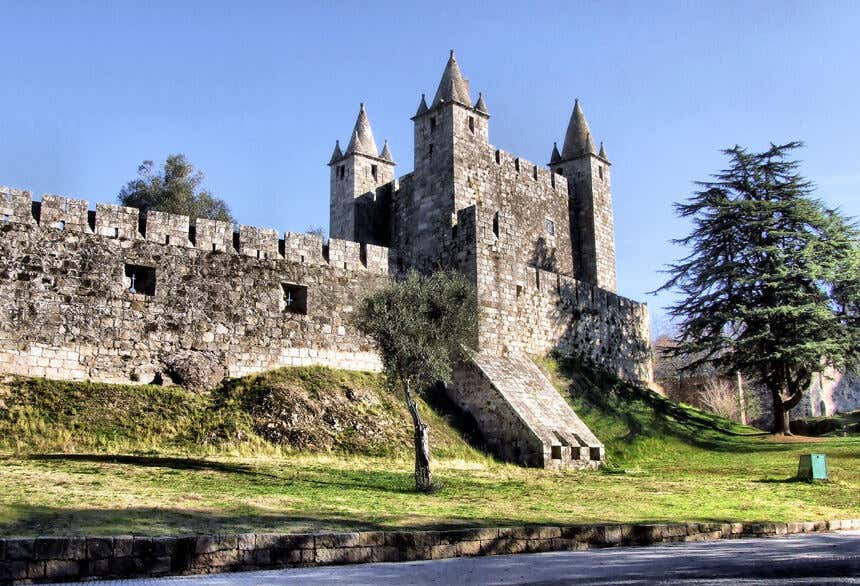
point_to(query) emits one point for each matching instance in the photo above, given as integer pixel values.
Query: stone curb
(34, 560)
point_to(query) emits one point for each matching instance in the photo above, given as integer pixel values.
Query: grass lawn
(667, 462)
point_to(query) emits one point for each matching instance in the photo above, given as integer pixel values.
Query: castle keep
(116, 295)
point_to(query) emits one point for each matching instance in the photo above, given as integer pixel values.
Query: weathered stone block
(62, 569)
(385, 553)
(60, 548)
(123, 545)
(336, 540)
(20, 549)
(99, 547)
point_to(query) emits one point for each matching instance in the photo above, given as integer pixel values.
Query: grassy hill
(312, 409)
(313, 449)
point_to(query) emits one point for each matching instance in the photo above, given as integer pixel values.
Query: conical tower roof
(386, 152)
(452, 86)
(555, 157)
(422, 107)
(362, 136)
(480, 105)
(602, 153)
(337, 154)
(577, 141)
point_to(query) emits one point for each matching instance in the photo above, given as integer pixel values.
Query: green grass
(666, 462)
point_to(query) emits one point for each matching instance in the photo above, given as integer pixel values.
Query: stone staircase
(521, 415)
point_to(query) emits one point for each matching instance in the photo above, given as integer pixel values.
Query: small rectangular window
(517, 164)
(498, 157)
(61, 224)
(140, 279)
(373, 171)
(430, 152)
(550, 227)
(496, 224)
(600, 171)
(534, 173)
(167, 239)
(432, 123)
(116, 232)
(472, 124)
(295, 298)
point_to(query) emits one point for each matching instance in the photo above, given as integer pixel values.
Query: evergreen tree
(176, 190)
(770, 287)
(422, 327)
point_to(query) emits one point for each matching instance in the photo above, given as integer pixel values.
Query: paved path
(832, 558)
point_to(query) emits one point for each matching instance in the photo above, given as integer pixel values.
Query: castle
(119, 296)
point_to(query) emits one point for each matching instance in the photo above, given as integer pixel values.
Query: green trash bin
(812, 467)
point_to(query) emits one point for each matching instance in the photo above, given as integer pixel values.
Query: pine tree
(770, 287)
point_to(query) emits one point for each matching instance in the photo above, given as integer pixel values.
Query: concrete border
(33, 560)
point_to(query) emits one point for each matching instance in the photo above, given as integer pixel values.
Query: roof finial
(452, 54)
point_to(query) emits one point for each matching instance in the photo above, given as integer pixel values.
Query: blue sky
(255, 94)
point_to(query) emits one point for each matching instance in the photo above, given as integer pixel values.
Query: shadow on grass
(643, 412)
(354, 480)
(29, 520)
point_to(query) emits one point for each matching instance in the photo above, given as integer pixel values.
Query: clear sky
(256, 93)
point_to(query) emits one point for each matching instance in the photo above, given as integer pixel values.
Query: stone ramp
(521, 414)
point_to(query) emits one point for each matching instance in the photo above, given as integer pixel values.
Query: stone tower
(591, 222)
(446, 134)
(359, 171)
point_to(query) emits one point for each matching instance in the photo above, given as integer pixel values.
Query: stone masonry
(115, 295)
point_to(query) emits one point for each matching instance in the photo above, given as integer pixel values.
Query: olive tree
(421, 325)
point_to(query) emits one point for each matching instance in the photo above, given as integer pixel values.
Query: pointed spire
(602, 153)
(386, 152)
(556, 156)
(578, 139)
(337, 154)
(452, 86)
(480, 105)
(422, 107)
(362, 136)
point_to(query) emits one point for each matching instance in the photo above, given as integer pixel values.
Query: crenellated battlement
(125, 223)
(527, 170)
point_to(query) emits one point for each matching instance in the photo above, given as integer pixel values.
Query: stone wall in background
(252, 298)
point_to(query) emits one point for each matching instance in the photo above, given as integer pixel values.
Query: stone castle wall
(528, 309)
(68, 311)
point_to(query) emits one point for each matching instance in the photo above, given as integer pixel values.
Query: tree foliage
(422, 326)
(770, 287)
(176, 189)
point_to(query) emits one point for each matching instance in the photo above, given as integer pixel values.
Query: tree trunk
(781, 414)
(423, 477)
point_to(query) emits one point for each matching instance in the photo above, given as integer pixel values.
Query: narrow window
(341, 171)
(496, 224)
(214, 247)
(472, 124)
(430, 152)
(600, 171)
(116, 232)
(295, 298)
(5, 218)
(167, 239)
(140, 279)
(519, 290)
(517, 164)
(498, 157)
(432, 123)
(454, 232)
(534, 173)
(550, 227)
(373, 171)
(61, 224)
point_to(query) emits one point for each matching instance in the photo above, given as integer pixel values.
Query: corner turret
(590, 202)
(361, 170)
